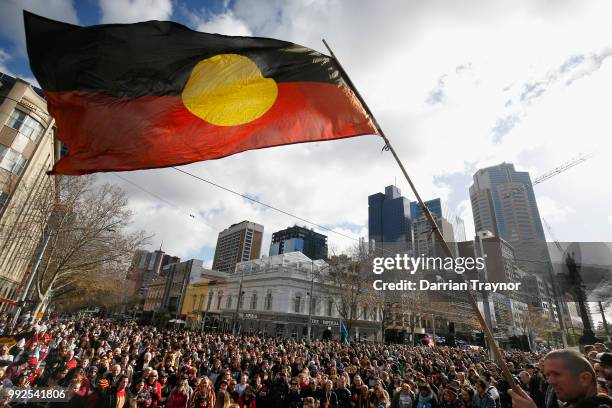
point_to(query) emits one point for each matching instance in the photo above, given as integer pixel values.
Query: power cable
(163, 200)
(264, 204)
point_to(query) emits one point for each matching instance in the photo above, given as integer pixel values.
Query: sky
(456, 86)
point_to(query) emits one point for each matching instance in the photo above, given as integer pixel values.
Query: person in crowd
(573, 379)
(329, 399)
(403, 398)
(179, 396)
(139, 396)
(451, 398)
(203, 396)
(467, 396)
(294, 397)
(343, 393)
(426, 398)
(482, 399)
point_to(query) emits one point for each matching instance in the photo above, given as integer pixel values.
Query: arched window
(297, 303)
(268, 302)
(365, 312)
(313, 305)
(219, 299)
(254, 301)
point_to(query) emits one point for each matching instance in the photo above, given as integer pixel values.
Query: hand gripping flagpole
(434, 226)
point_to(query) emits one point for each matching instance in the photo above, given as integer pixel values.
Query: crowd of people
(109, 365)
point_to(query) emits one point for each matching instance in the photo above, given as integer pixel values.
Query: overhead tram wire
(264, 204)
(240, 195)
(163, 200)
(233, 192)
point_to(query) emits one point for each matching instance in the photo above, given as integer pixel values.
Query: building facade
(238, 243)
(154, 294)
(299, 239)
(451, 226)
(504, 203)
(178, 277)
(389, 221)
(27, 152)
(147, 266)
(275, 297)
(198, 299)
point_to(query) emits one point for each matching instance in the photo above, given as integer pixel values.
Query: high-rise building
(147, 266)
(389, 226)
(27, 152)
(238, 243)
(503, 202)
(299, 239)
(451, 226)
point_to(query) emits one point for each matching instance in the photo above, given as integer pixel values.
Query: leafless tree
(349, 274)
(89, 247)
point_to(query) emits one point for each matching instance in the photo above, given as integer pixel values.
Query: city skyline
(459, 109)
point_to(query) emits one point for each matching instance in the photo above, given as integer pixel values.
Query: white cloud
(133, 11)
(225, 23)
(4, 58)
(11, 17)
(553, 211)
(464, 210)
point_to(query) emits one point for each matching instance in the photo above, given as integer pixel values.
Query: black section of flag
(153, 58)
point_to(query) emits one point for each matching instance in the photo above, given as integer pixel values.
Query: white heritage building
(275, 295)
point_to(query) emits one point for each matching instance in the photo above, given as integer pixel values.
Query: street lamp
(310, 294)
(240, 293)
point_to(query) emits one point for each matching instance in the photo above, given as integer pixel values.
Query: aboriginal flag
(157, 94)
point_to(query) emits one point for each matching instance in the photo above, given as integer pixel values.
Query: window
(330, 307)
(3, 199)
(219, 299)
(20, 143)
(16, 119)
(241, 300)
(228, 304)
(268, 302)
(26, 125)
(12, 161)
(297, 303)
(254, 301)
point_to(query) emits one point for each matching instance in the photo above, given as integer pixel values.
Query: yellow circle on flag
(228, 90)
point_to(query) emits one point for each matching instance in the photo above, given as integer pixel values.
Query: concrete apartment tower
(238, 243)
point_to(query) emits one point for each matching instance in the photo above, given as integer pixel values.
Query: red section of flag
(106, 133)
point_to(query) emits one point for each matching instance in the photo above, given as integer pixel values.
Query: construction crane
(552, 236)
(565, 166)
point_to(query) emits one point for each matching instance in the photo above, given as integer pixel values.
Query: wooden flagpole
(434, 226)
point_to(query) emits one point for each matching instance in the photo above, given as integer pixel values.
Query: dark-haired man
(573, 380)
